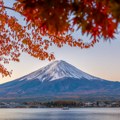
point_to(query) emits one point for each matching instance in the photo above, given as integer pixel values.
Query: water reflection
(59, 114)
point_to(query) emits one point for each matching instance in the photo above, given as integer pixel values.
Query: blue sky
(103, 60)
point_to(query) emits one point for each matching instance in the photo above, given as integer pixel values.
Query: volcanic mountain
(62, 80)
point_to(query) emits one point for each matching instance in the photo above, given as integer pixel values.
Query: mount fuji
(59, 80)
(57, 70)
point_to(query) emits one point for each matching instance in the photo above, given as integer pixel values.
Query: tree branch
(6, 7)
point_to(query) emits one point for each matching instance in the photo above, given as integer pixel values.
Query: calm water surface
(59, 114)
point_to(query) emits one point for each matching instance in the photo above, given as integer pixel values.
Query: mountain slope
(57, 70)
(59, 79)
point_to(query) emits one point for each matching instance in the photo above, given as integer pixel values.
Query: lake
(59, 114)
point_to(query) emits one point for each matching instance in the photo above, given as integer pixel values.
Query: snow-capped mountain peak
(58, 81)
(56, 70)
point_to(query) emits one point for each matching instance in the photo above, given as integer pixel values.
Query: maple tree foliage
(52, 22)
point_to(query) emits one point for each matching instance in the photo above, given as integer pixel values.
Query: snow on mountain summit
(56, 70)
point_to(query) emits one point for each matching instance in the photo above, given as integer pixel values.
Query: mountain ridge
(56, 70)
(59, 79)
